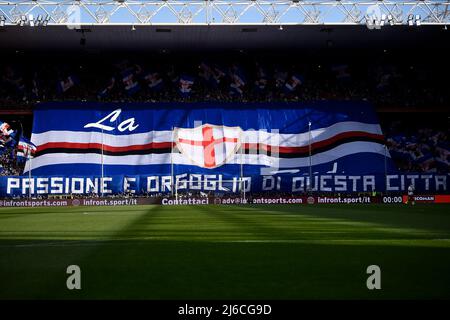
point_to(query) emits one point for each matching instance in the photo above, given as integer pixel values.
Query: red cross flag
(208, 146)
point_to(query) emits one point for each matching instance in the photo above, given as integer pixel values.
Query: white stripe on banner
(249, 136)
(251, 159)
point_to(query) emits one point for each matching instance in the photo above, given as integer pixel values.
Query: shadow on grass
(128, 267)
(204, 270)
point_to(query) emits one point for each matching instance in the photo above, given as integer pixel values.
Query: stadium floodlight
(369, 21)
(2, 21)
(383, 20)
(22, 20)
(46, 20)
(31, 20)
(38, 20)
(410, 20)
(375, 21)
(391, 20)
(418, 23)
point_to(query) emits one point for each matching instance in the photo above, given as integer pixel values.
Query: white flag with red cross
(208, 146)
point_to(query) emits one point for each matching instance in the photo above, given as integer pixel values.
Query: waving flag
(25, 149)
(13, 140)
(280, 78)
(5, 129)
(138, 138)
(67, 83)
(107, 90)
(205, 72)
(6, 133)
(130, 84)
(218, 74)
(154, 80)
(261, 79)
(186, 83)
(341, 72)
(172, 74)
(293, 83)
(237, 81)
(35, 87)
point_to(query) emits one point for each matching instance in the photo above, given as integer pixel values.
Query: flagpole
(29, 171)
(385, 168)
(242, 170)
(176, 191)
(29, 178)
(103, 170)
(171, 163)
(174, 178)
(310, 158)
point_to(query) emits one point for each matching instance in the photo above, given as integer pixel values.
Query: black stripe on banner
(316, 150)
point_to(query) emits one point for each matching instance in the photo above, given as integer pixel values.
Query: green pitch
(215, 252)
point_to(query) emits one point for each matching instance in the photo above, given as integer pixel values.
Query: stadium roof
(230, 24)
(65, 12)
(195, 37)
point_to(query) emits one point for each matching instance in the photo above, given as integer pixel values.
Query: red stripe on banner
(73, 145)
(315, 145)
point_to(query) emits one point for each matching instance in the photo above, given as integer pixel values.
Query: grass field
(226, 252)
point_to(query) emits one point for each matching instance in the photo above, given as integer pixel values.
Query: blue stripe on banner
(161, 183)
(284, 116)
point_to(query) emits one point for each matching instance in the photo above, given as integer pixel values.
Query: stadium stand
(384, 82)
(415, 148)
(390, 82)
(422, 149)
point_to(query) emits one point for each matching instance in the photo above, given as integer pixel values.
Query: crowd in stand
(421, 149)
(9, 166)
(126, 80)
(400, 85)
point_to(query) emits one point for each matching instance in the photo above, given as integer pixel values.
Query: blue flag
(186, 83)
(130, 84)
(293, 83)
(342, 72)
(25, 150)
(154, 80)
(107, 90)
(261, 80)
(67, 83)
(6, 133)
(35, 91)
(238, 81)
(12, 143)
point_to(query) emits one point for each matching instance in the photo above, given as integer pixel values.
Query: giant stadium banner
(325, 146)
(215, 183)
